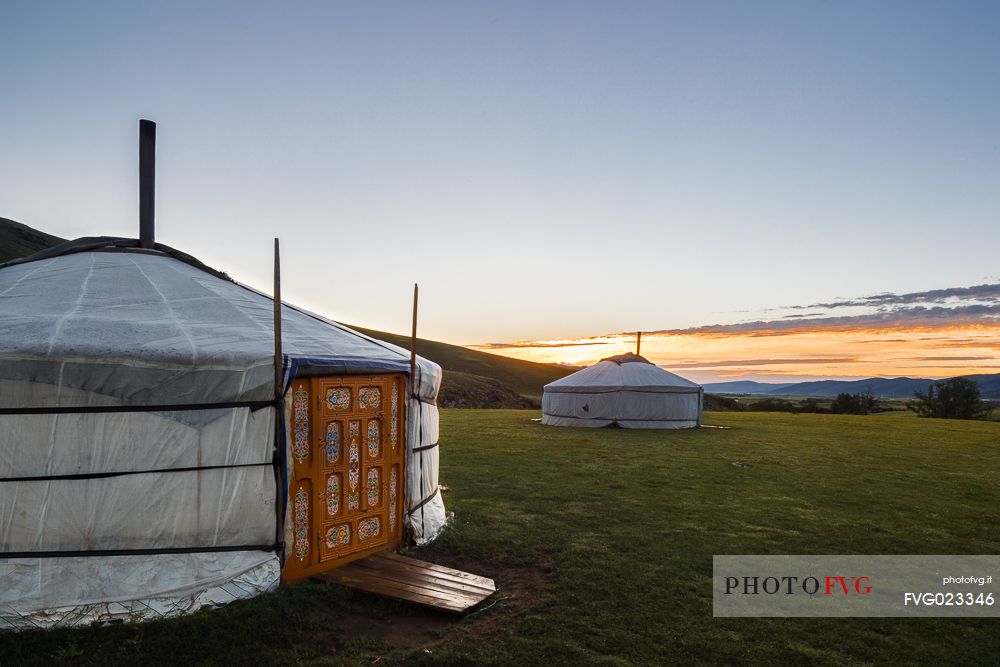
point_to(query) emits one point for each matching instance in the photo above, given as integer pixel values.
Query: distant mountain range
(903, 387)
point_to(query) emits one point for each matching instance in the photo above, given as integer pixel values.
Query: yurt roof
(626, 372)
(159, 327)
(628, 358)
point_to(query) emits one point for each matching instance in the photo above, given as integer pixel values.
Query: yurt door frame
(348, 469)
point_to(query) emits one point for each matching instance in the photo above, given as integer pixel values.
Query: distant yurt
(627, 391)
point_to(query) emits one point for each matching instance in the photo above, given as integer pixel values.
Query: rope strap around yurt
(176, 407)
(122, 473)
(425, 500)
(136, 552)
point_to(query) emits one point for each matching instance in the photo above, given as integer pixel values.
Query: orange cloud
(836, 351)
(935, 333)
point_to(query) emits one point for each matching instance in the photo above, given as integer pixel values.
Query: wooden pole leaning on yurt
(413, 394)
(413, 342)
(279, 407)
(278, 388)
(638, 342)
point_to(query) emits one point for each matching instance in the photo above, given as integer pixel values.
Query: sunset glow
(789, 356)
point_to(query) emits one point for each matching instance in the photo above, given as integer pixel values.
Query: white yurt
(627, 391)
(147, 466)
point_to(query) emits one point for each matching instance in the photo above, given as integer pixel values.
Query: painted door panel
(348, 462)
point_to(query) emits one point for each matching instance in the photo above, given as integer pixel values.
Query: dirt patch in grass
(519, 590)
(400, 631)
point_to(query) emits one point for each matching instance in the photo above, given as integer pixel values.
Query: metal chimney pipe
(147, 183)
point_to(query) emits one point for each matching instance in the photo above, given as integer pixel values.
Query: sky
(546, 171)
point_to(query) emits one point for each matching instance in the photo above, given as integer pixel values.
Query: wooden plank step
(396, 591)
(412, 580)
(429, 585)
(423, 596)
(459, 579)
(406, 561)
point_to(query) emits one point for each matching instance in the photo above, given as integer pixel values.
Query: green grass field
(601, 543)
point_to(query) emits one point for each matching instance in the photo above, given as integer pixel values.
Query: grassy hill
(17, 240)
(463, 390)
(472, 379)
(523, 377)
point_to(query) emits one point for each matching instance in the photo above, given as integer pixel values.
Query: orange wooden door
(348, 457)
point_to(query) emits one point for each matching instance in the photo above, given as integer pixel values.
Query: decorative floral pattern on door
(373, 438)
(394, 416)
(338, 536)
(333, 442)
(354, 473)
(338, 398)
(393, 481)
(367, 529)
(300, 420)
(370, 398)
(373, 487)
(332, 494)
(301, 523)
